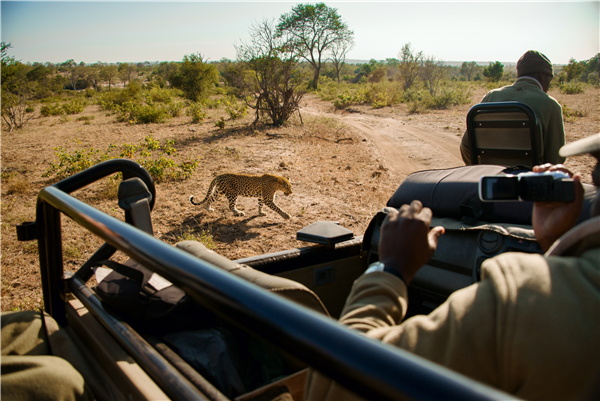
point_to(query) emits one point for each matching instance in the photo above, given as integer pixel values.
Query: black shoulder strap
(146, 290)
(122, 269)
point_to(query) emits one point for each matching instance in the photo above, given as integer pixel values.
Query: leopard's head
(285, 186)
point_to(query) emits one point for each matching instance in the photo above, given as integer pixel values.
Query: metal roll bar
(367, 367)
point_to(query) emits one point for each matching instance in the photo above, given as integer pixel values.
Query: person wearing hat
(534, 72)
(529, 327)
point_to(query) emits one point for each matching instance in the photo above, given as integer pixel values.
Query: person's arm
(406, 241)
(554, 137)
(551, 220)
(465, 149)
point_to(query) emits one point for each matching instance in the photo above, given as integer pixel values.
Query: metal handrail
(367, 367)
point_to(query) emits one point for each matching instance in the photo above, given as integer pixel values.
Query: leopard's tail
(209, 194)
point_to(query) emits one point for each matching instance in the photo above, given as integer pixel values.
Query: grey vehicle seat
(504, 133)
(287, 288)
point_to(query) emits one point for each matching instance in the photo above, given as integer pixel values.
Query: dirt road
(402, 147)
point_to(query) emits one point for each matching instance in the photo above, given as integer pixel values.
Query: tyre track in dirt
(400, 146)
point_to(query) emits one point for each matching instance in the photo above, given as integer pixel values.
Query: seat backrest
(289, 289)
(504, 133)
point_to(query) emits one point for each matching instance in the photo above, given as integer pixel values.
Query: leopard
(233, 185)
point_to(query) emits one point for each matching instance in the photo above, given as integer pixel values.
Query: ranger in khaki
(530, 327)
(535, 73)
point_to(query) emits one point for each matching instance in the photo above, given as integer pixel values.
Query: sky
(138, 31)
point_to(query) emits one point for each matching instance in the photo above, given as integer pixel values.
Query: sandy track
(401, 146)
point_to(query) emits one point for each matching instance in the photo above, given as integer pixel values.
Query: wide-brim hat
(591, 144)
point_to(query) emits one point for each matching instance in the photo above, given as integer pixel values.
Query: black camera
(535, 187)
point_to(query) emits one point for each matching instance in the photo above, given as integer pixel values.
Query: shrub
(572, 88)
(109, 100)
(348, 98)
(75, 106)
(383, 94)
(234, 109)
(51, 110)
(571, 115)
(150, 113)
(176, 108)
(220, 123)
(203, 237)
(451, 96)
(196, 111)
(151, 155)
(142, 114)
(29, 109)
(159, 95)
(212, 104)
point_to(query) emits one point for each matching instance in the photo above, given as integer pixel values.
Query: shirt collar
(529, 79)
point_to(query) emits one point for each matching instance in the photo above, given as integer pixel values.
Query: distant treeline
(304, 51)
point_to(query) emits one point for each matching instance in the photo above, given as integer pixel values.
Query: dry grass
(333, 173)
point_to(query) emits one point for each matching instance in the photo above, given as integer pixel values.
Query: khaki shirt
(530, 327)
(548, 111)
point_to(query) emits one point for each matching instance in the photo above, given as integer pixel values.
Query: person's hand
(551, 220)
(406, 243)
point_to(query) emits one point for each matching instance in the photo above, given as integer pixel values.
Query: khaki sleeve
(461, 334)
(554, 137)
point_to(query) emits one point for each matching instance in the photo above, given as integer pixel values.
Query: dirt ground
(343, 166)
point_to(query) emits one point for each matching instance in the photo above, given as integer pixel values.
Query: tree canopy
(196, 77)
(314, 32)
(494, 72)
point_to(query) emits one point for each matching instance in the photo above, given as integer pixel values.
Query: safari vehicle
(139, 364)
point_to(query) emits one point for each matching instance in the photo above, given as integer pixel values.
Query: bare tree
(269, 80)
(109, 73)
(409, 64)
(432, 73)
(126, 71)
(469, 69)
(339, 50)
(15, 90)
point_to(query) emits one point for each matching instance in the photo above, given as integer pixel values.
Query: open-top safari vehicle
(266, 319)
(141, 364)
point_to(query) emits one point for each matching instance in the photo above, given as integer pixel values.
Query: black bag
(149, 302)
(454, 193)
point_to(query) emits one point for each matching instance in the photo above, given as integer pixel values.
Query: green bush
(350, 97)
(159, 95)
(75, 106)
(212, 104)
(329, 91)
(420, 100)
(196, 111)
(383, 93)
(142, 113)
(451, 96)
(572, 88)
(109, 100)
(149, 153)
(51, 110)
